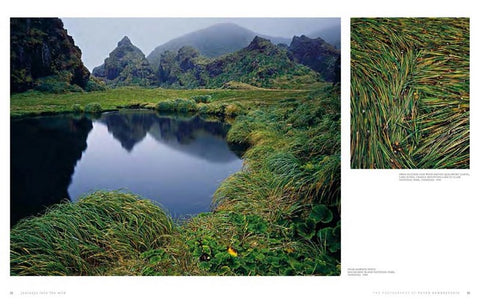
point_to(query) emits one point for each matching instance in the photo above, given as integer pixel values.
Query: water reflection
(178, 161)
(188, 134)
(44, 152)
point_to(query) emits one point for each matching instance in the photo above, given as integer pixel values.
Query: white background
(426, 232)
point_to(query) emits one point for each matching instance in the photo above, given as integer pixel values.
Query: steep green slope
(43, 56)
(126, 65)
(185, 68)
(261, 64)
(318, 55)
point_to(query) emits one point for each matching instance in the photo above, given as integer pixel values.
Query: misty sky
(97, 37)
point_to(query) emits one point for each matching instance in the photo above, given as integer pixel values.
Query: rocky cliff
(43, 55)
(317, 54)
(126, 65)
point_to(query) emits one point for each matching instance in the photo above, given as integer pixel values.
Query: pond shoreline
(263, 223)
(142, 151)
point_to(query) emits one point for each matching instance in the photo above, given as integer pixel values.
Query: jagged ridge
(213, 41)
(316, 54)
(126, 65)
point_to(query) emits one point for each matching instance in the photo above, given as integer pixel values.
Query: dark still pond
(176, 161)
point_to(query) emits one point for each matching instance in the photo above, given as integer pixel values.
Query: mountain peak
(125, 42)
(213, 41)
(225, 25)
(317, 54)
(305, 39)
(125, 65)
(259, 43)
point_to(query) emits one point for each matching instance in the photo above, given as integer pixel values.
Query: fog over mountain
(213, 41)
(329, 34)
(97, 37)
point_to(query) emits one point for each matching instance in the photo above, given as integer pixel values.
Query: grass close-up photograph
(410, 93)
(175, 147)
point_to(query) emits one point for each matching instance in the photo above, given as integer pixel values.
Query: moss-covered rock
(318, 55)
(39, 48)
(126, 65)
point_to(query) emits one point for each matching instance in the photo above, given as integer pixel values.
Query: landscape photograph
(410, 93)
(211, 146)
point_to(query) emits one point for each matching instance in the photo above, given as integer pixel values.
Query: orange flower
(232, 251)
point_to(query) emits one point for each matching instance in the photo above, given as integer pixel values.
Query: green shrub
(178, 105)
(185, 105)
(233, 110)
(165, 106)
(93, 107)
(202, 98)
(203, 109)
(94, 85)
(56, 84)
(77, 108)
(215, 109)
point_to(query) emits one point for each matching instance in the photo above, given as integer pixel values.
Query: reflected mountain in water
(188, 134)
(128, 128)
(176, 161)
(44, 152)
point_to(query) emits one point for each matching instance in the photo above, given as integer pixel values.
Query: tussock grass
(410, 93)
(98, 233)
(93, 107)
(280, 215)
(282, 180)
(202, 98)
(177, 105)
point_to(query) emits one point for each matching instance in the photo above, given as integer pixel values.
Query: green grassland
(38, 103)
(279, 215)
(410, 93)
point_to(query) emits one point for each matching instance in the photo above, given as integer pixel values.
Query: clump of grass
(185, 105)
(94, 84)
(77, 108)
(90, 237)
(202, 98)
(240, 131)
(93, 107)
(410, 93)
(203, 109)
(177, 105)
(165, 106)
(233, 110)
(216, 109)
